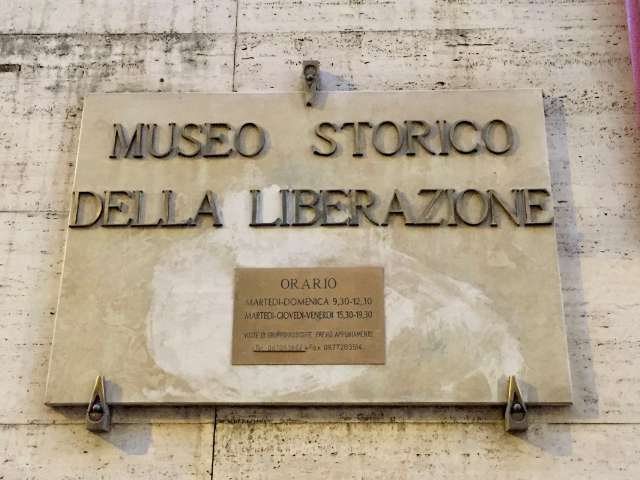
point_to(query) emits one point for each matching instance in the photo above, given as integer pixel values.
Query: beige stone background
(52, 53)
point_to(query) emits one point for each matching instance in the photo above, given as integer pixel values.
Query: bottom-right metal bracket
(516, 418)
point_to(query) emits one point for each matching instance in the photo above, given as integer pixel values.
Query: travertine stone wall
(52, 53)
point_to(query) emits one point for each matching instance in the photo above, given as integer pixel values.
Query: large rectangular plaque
(447, 191)
(308, 316)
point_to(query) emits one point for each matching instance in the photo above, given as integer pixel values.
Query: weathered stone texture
(576, 51)
(393, 451)
(395, 15)
(43, 96)
(118, 16)
(129, 451)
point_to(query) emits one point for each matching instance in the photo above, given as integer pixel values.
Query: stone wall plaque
(308, 316)
(448, 191)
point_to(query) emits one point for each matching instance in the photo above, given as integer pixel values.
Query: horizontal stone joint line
(35, 212)
(63, 36)
(439, 31)
(419, 422)
(115, 422)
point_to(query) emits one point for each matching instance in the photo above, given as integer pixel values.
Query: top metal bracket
(516, 418)
(311, 75)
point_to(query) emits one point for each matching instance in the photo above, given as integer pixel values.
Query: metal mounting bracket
(311, 75)
(516, 418)
(98, 418)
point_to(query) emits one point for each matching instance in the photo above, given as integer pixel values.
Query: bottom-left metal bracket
(98, 418)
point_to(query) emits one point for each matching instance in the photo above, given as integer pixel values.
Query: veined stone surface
(465, 306)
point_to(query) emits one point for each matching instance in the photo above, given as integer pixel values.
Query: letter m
(133, 146)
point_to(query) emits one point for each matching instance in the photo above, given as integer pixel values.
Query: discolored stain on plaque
(308, 316)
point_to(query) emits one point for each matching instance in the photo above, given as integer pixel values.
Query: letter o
(486, 136)
(378, 142)
(239, 136)
(284, 283)
(460, 210)
(331, 283)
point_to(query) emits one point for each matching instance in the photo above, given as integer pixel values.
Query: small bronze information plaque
(308, 316)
